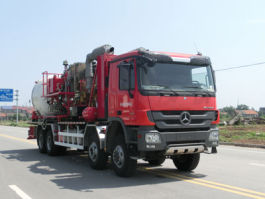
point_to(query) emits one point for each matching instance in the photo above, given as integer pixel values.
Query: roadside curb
(243, 145)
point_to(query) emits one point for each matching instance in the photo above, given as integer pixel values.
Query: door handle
(118, 112)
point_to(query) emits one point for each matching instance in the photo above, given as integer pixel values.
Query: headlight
(152, 138)
(214, 136)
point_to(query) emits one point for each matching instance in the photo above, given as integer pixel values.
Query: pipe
(89, 62)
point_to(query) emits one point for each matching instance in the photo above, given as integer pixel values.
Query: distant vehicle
(138, 105)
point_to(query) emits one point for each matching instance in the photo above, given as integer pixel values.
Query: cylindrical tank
(40, 103)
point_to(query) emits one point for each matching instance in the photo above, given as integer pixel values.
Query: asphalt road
(25, 173)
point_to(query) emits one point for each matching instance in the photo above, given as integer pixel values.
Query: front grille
(186, 142)
(173, 120)
(179, 112)
(198, 121)
(183, 129)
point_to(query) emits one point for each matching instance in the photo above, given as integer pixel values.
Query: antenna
(196, 48)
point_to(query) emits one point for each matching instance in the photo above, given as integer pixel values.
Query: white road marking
(19, 192)
(257, 164)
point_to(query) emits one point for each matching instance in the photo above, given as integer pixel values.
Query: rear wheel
(41, 141)
(97, 158)
(187, 162)
(52, 149)
(122, 164)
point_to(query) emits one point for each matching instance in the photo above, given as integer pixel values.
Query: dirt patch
(244, 128)
(258, 142)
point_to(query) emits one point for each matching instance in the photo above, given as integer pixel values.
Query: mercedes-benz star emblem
(185, 118)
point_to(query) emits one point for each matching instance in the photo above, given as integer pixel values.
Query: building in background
(3, 116)
(248, 114)
(8, 112)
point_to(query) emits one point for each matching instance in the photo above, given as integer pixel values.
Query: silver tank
(40, 103)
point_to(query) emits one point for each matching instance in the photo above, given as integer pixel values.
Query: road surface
(25, 173)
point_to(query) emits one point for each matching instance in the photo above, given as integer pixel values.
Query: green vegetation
(242, 107)
(247, 134)
(263, 116)
(13, 117)
(224, 117)
(13, 123)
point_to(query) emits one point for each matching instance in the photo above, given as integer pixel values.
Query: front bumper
(176, 139)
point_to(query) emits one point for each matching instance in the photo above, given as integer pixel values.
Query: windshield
(175, 76)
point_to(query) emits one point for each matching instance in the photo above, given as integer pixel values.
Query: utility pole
(16, 99)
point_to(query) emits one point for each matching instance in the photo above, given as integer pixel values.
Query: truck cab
(164, 103)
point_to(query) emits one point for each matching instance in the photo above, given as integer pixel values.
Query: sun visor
(200, 60)
(154, 57)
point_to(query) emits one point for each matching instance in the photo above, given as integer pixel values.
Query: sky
(36, 36)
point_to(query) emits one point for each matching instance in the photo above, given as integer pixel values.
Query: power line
(248, 65)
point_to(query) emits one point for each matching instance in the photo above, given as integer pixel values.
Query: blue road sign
(6, 95)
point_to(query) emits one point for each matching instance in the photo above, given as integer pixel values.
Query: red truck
(138, 105)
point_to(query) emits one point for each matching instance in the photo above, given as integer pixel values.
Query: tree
(242, 107)
(14, 117)
(231, 111)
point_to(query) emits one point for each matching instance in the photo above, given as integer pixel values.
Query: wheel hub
(118, 156)
(93, 151)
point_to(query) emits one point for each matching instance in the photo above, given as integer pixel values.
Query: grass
(248, 134)
(225, 118)
(13, 123)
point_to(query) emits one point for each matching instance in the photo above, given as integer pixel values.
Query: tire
(97, 158)
(122, 164)
(41, 141)
(52, 149)
(157, 161)
(186, 162)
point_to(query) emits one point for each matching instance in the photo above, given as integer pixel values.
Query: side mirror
(130, 80)
(214, 80)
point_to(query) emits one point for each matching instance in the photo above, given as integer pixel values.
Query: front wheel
(97, 158)
(122, 164)
(157, 161)
(187, 162)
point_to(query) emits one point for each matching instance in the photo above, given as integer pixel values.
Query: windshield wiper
(172, 92)
(193, 87)
(200, 91)
(206, 93)
(165, 89)
(203, 93)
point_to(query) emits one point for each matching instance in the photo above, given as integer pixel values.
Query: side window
(126, 70)
(123, 76)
